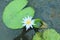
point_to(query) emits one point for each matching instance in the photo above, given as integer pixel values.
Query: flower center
(28, 22)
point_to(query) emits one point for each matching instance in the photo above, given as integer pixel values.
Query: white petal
(27, 27)
(24, 25)
(23, 19)
(30, 17)
(31, 26)
(32, 22)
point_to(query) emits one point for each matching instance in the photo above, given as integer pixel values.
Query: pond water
(47, 10)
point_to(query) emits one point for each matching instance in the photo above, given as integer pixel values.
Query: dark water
(47, 10)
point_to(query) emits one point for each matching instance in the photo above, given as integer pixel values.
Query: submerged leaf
(15, 12)
(51, 34)
(44, 25)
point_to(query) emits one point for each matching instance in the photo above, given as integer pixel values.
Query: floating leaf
(51, 34)
(15, 12)
(37, 23)
(37, 36)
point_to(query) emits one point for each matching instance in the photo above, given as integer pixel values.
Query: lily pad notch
(14, 13)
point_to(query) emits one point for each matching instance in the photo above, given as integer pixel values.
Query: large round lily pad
(15, 12)
(51, 34)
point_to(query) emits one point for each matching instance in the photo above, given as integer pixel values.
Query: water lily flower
(28, 22)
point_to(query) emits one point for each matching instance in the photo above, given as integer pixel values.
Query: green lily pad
(37, 23)
(37, 36)
(51, 34)
(15, 12)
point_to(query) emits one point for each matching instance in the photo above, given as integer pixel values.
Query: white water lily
(28, 22)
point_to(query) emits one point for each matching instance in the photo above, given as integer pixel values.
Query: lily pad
(51, 34)
(15, 12)
(37, 36)
(37, 23)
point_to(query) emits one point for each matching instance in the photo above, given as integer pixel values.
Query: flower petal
(31, 26)
(27, 27)
(23, 24)
(32, 22)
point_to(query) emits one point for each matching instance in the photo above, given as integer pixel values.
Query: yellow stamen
(28, 22)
